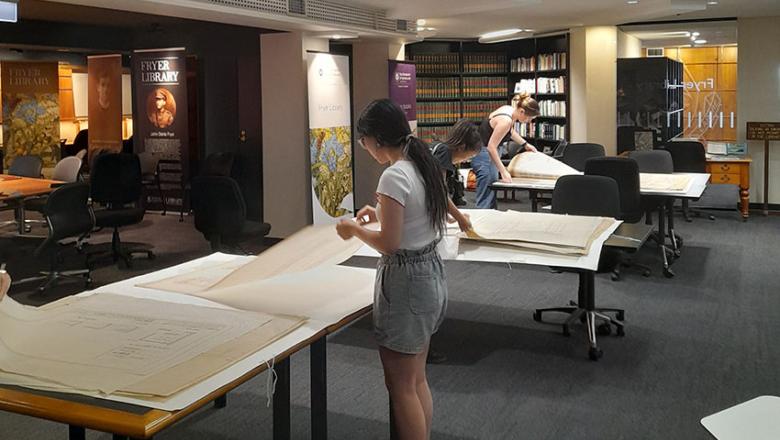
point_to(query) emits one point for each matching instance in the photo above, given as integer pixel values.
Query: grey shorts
(410, 298)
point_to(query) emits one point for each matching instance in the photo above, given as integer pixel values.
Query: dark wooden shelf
(552, 72)
(436, 124)
(531, 73)
(439, 75)
(485, 98)
(550, 117)
(452, 99)
(485, 74)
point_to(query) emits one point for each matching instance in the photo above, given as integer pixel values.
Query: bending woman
(496, 129)
(410, 293)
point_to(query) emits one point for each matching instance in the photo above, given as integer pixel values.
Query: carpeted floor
(694, 345)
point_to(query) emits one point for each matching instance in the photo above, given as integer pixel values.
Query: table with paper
(133, 341)
(539, 172)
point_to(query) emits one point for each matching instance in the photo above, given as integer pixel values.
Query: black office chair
(575, 155)
(67, 171)
(660, 162)
(215, 164)
(590, 196)
(150, 175)
(689, 157)
(220, 213)
(625, 172)
(116, 184)
(68, 215)
(26, 166)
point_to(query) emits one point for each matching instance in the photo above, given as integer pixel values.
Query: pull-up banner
(31, 111)
(161, 122)
(330, 137)
(104, 98)
(403, 89)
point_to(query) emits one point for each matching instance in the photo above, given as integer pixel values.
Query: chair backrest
(67, 170)
(656, 161)
(81, 141)
(218, 205)
(148, 163)
(218, 164)
(625, 138)
(68, 213)
(26, 166)
(116, 179)
(625, 172)
(586, 195)
(688, 156)
(575, 155)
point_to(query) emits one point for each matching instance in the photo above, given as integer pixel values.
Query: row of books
(438, 112)
(522, 64)
(484, 86)
(433, 88)
(477, 110)
(551, 85)
(437, 62)
(431, 134)
(542, 130)
(552, 108)
(484, 62)
(553, 61)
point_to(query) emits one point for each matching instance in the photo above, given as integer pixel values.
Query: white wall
(758, 96)
(628, 46)
(593, 86)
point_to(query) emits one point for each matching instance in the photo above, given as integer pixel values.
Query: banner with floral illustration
(31, 111)
(330, 137)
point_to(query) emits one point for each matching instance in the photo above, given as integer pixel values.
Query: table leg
(22, 222)
(76, 433)
(319, 390)
(744, 196)
(534, 205)
(766, 177)
(282, 401)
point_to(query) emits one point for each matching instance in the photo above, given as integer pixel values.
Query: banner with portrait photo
(161, 124)
(104, 101)
(330, 137)
(31, 111)
(402, 78)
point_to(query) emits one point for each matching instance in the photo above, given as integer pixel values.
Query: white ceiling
(674, 34)
(471, 18)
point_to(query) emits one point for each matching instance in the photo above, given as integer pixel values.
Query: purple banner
(403, 88)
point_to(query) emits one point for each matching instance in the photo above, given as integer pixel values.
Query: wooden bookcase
(478, 78)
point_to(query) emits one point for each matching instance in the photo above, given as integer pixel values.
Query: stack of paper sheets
(560, 234)
(664, 182)
(538, 166)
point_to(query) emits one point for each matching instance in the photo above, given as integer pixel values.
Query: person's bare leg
(401, 380)
(424, 391)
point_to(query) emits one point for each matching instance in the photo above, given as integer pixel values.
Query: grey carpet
(694, 345)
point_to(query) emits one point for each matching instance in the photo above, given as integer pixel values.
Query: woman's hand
(346, 229)
(505, 176)
(465, 223)
(366, 215)
(531, 148)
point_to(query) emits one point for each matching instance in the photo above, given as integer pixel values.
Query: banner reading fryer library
(330, 137)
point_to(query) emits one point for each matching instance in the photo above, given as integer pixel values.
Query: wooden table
(734, 170)
(15, 189)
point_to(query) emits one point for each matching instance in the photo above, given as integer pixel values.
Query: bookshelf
(466, 79)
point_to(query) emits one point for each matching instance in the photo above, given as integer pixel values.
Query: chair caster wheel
(604, 329)
(614, 277)
(621, 316)
(620, 331)
(538, 316)
(595, 353)
(566, 331)
(573, 303)
(679, 240)
(677, 253)
(668, 273)
(646, 273)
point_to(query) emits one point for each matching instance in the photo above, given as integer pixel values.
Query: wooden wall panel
(699, 55)
(727, 77)
(728, 54)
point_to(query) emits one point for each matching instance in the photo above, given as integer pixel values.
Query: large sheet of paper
(541, 228)
(538, 166)
(112, 343)
(664, 182)
(326, 294)
(312, 246)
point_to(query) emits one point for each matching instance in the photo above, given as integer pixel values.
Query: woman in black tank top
(496, 129)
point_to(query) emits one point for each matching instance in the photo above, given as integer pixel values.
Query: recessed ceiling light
(695, 34)
(529, 30)
(420, 22)
(632, 2)
(687, 34)
(700, 41)
(712, 2)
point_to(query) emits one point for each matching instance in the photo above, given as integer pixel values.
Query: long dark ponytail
(385, 121)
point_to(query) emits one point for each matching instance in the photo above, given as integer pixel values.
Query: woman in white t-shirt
(410, 293)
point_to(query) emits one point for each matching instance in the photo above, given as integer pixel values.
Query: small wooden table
(734, 170)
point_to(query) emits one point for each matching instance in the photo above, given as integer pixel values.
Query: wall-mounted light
(9, 11)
